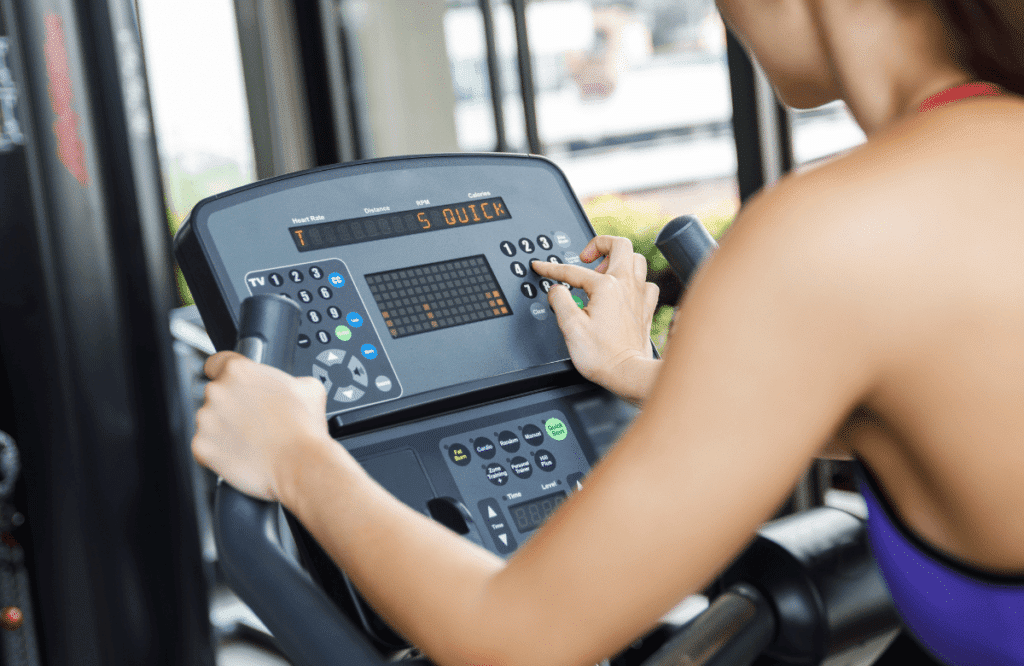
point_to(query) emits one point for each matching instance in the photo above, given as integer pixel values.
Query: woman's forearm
(423, 579)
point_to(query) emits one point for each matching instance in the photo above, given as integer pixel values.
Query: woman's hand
(254, 418)
(606, 338)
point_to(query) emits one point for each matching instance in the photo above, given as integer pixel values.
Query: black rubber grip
(685, 243)
(267, 330)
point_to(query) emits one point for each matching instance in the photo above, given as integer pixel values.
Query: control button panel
(337, 344)
(516, 473)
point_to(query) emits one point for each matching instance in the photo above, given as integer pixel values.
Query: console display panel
(394, 315)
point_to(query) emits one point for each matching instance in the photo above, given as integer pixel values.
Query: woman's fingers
(216, 364)
(618, 250)
(577, 276)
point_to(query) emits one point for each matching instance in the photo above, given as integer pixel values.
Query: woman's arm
(772, 350)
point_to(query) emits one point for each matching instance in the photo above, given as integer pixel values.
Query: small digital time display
(309, 237)
(529, 515)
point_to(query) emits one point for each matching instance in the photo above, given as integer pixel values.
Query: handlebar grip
(685, 243)
(307, 625)
(267, 329)
(733, 631)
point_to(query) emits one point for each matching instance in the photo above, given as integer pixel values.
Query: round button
(304, 340)
(539, 311)
(526, 244)
(383, 383)
(323, 336)
(333, 312)
(544, 242)
(305, 296)
(314, 316)
(324, 292)
(315, 272)
(459, 454)
(518, 269)
(556, 429)
(295, 275)
(354, 319)
(275, 279)
(544, 460)
(336, 280)
(484, 448)
(528, 290)
(546, 284)
(562, 239)
(344, 333)
(579, 301)
(508, 249)
(368, 352)
(553, 259)
(497, 474)
(532, 434)
(521, 467)
(508, 441)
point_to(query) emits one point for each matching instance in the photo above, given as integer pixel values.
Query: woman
(872, 306)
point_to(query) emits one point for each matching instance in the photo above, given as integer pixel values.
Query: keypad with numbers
(336, 343)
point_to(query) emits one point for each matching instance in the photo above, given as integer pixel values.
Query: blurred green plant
(640, 221)
(184, 294)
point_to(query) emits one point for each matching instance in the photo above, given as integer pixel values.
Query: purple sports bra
(963, 616)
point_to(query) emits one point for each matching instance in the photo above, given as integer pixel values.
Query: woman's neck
(885, 73)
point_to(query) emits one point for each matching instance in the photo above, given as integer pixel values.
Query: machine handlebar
(307, 625)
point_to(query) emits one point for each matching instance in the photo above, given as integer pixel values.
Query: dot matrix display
(309, 237)
(435, 296)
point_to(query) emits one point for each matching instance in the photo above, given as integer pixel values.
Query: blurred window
(198, 95)
(633, 103)
(823, 132)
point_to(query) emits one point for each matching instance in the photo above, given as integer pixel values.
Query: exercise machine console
(446, 373)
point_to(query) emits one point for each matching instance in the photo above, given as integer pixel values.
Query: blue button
(354, 320)
(369, 351)
(336, 280)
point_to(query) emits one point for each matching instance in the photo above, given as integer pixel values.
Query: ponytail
(990, 34)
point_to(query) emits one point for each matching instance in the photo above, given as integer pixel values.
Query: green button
(556, 429)
(579, 301)
(344, 333)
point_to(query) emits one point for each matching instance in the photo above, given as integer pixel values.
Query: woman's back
(942, 232)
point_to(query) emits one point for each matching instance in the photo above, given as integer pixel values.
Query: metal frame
(111, 540)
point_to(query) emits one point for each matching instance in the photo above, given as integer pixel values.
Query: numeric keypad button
(546, 284)
(518, 269)
(508, 249)
(314, 317)
(552, 259)
(528, 290)
(526, 244)
(304, 340)
(316, 272)
(544, 242)
(296, 275)
(305, 296)
(333, 312)
(275, 279)
(323, 336)
(325, 293)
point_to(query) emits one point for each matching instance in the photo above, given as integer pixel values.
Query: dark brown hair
(990, 34)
